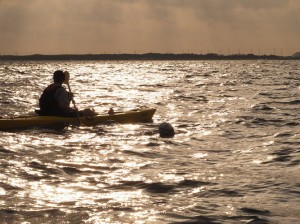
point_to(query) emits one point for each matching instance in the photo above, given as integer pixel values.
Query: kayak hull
(133, 116)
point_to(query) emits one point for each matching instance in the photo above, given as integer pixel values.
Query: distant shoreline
(143, 57)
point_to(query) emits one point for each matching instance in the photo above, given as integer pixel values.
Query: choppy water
(235, 157)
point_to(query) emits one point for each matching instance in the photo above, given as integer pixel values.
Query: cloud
(146, 25)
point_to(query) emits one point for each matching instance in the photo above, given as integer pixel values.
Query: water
(235, 157)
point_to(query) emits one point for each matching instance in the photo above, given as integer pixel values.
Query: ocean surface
(235, 157)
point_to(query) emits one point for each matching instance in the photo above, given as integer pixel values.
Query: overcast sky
(140, 26)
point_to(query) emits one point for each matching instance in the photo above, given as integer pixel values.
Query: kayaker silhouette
(55, 99)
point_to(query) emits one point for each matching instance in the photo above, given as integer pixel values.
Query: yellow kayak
(133, 116)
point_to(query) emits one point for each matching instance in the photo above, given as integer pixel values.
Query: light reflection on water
(234, 158)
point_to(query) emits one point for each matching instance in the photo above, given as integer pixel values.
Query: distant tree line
(149, 56)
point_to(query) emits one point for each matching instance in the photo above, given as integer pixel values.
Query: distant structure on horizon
(296, 55)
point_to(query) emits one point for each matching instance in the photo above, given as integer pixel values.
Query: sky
(143, 26)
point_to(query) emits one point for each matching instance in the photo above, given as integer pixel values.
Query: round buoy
(166, 130)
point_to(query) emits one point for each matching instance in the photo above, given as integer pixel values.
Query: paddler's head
(59, 77)
(67, 77)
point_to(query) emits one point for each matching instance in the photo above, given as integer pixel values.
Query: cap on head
(59, 76)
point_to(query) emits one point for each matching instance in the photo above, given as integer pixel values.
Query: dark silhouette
(55, 100)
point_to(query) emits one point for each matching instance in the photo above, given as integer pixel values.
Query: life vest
(48, 103)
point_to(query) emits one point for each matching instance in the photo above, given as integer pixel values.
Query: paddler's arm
(63, 99)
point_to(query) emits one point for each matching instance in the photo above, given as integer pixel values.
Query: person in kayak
(55, 99)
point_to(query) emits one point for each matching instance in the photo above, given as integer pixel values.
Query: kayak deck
(133, 116)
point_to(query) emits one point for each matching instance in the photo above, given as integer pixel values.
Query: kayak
(25, 122)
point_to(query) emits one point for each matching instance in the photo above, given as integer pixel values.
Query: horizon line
(145, 56)
(150, 52)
